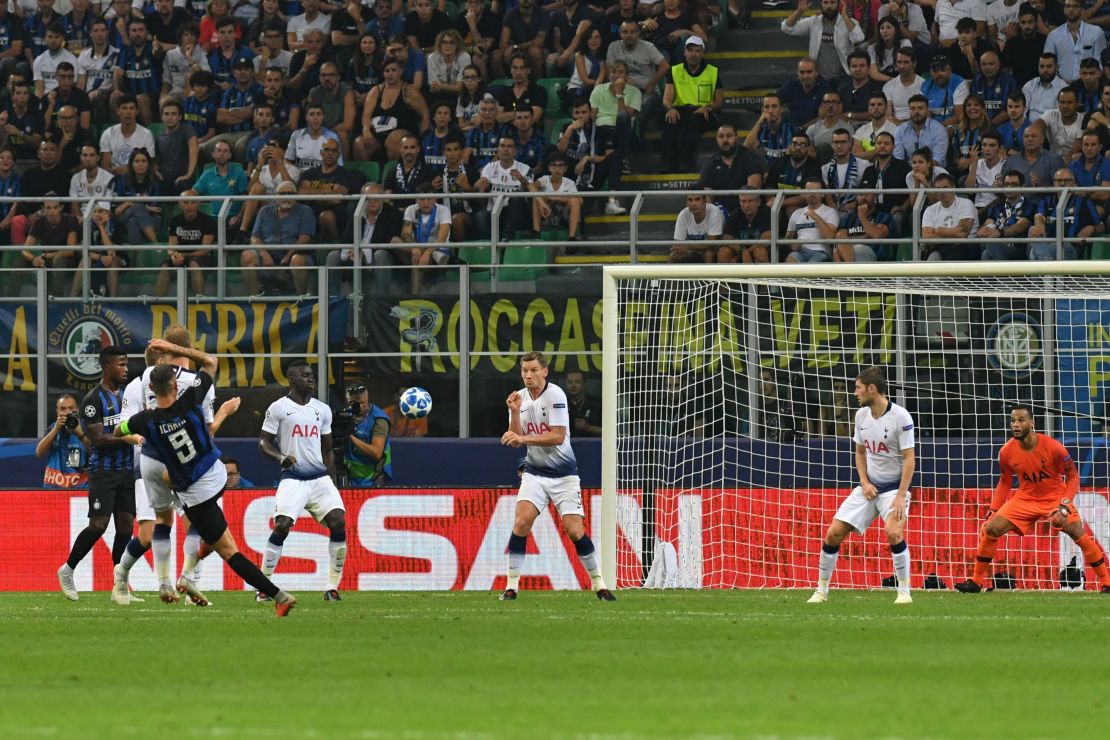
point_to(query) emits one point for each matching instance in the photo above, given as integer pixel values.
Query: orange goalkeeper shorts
(1024, 512)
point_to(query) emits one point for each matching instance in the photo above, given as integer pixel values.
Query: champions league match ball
(416, 403)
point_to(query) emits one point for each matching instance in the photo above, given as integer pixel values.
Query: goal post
(727, 413)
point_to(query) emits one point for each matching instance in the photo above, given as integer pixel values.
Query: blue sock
(135, 550)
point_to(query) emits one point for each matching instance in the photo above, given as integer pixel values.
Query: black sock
(81, 546)
(250, 573)
(119, 545)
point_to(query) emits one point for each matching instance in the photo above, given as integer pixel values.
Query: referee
(111, 485)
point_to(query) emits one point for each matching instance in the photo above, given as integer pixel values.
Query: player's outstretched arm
(227, 408)
(205, 361)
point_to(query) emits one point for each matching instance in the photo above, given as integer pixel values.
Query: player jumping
(540, 420)
(1047, 488)
(885, 461)
(177, 432)
(296, 434)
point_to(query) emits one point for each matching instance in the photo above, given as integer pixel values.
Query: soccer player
(111, 488)
(540, 420)
(296, 434)
(885, 461)
(1048, 482)
(175, 430)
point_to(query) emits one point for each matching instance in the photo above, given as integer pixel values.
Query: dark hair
(134, 21)
(161, 379)
(965, 24)
(918, 98)
(842, 132)
(229, 460)
(881, 134)
(296, 365)
(1023, 407)
(873, 376)
(56, 27)
(125, 99)
(1026, 9)
(173, 103)
(994, 136)
(1014, 173)
(264, 104)
(1047, 55)
(859, 55)
(465, 98)
(146, 185)
(815, 178)
(203, 78)
(109, 352)
(226, 21)
(188, 28)
(924, 152)
(906, 51)
(1090, 63)
(946, 177)
(1018, 97)
(64, 67)
(534, 355)
(580, 100)
(876, 95)
(454, 136)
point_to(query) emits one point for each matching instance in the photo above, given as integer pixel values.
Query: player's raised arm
(205, 362)
(227, 408)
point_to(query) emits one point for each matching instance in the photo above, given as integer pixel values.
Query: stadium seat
(524, 262)
(370, 170)
(554, 87)
(555, 128)
(503, 82)
(387, 173)
(156, 128)
(1100, 249)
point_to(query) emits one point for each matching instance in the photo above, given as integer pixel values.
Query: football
(416, 403)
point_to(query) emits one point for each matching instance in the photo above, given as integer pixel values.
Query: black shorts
(208, 519)
(111, 492)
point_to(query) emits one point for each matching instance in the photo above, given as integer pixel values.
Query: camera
(72, 422)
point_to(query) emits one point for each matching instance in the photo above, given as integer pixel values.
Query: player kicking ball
(296, 434)
(1048, 482)
(539, 419)
(885, 461)
(177, 432)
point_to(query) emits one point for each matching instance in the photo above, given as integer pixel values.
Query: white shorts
(156, 493)
(858, 512)
(161, 497)
(317, 496)
(565, 493)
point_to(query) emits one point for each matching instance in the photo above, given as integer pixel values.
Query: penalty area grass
(653, 664)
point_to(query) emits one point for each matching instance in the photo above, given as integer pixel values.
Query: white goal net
(728, 413)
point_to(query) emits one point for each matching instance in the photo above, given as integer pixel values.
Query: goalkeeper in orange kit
(1048, 484)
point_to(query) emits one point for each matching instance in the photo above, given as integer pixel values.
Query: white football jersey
(884, 439)
(538, 416)
(298, 430)
(137, 397)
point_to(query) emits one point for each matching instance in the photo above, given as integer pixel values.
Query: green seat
(554, 87)
(524, 262)
(156, 128)
(555, 128)
(503, 82)
(554, 235)
(389, 172)
(1100, 250)
(475, 255)
(370, 170)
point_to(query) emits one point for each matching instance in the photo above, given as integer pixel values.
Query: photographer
(367, 456)
(65, 447)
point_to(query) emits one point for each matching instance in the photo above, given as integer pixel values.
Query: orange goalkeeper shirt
(1045, 472)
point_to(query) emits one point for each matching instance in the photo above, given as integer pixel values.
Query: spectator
(67, 131)
(832, 119)
(771, 132)
(191, 236)
(91, 181)
(481, 141)
(456, 177)
(1081, 222)
(697, 224)
(331, 178)
(446, 64)
(368, 457)
(888, 172)
(117, 142)
(305, 143)
(45, 67)
(410, 171)
(585, 411)
(692, 98)
(813, 226)
(670, 26)
(1035, 163)
(906, 85)
(385, 25)
(1064, 125)
(523, 31)
(364, 71)
(845, 171)
(837, 418)
(1091, 169)
(272, 53)
(1013, 130)
(424, 24)
(523, 93)
(562, 208)
(1088, 88)
(426, 222)
(504, 175)
(283, 225)
(473, 91)
(66, 94)
(944, 91)
(531, 144)
(337, 99)
(304, 68)
(96, 70)
(862, 220)
(1022, 51)
(590, 154)
(922, 130)
(181, 61)
(270, 170)
(65, 447)
(264, 130)
(216, 11)
(11, 41)
(235, 113)
(393, 110)
(22, 123)
(1040, 93)
(912, 26)
(120, 16)
(732, 166)
(949, 13)
(136, 73)
(348, 26)
(950, 217)
(381, 226)
(47, 177)
(234, 477)
(646, 69)
(888, 40)
(751, 221)
(863, 144)
(414, 64)
(794, 170)
(776, 418)
(164, 25)
(1098, 120)
(223, 177)
(572, 25)
(286, 107)
(1074, 41)
(1002, 21)
(802, 94)
(587, 66)
(923, 169)
(856, 91)
(137, 216)
(57, 232)
(11, 186)
(104, 263)
(399, 424)
(993, 85)
(200, 107)
(984, 171)
(832, 36)
(621, 12)
(614, 105)
(1009, 218)
(969, 132)
(964, 55)
(434, 140)
(480, 29)
(310, 20)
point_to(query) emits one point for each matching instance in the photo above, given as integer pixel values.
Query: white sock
(65, 570)
(589, 562)
(516, 561)
(161, 550)
(337, 555)
(902, 568)
(191, 549)
(825, 568)
(270, 559)
(197, 570)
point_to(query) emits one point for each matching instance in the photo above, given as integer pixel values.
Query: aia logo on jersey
(540, 428)
(1035, 477)
(875, 447)
(305, 430)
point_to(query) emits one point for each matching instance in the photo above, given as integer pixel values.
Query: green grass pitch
(654, 664)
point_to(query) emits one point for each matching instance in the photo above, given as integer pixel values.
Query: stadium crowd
(430, 98)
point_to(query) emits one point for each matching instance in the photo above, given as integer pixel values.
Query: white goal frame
(612, 275)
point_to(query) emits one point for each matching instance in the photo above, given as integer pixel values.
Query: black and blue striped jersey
(105, 407)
